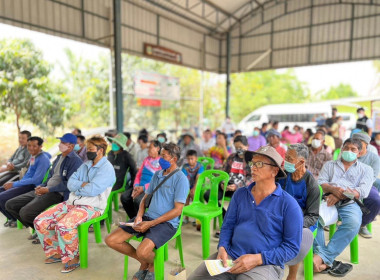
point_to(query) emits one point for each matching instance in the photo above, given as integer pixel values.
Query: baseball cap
(68, 138)
(271, 153)
(272, 131)
(362, 136)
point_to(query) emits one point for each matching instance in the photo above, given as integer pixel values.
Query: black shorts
(159, 234)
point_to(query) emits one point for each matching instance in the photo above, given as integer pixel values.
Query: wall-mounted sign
(156, 86)
(158, 52)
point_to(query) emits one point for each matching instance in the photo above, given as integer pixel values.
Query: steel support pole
(117, 52)
(228, 72)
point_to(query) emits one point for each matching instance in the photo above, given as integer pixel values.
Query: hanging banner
(161, 53)
(149, 85)
(148, 102)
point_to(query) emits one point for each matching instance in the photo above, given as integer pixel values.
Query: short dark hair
(275, 123)
(264, 124)
(77, 129)
(163, 134)
(127, 134)
(321, 131)
(359, 109)
(172, 149)
(242, 139)
(36, 138)
(157, 144)
(143, 138)
(355, 142)
(26, 132)
(208, 130)
(82, 138)
(191, 153)
(143, 132)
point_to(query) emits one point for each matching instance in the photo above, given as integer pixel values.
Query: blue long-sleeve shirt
(36, 171)
(99, 178)
(272, 228)
(69, 165)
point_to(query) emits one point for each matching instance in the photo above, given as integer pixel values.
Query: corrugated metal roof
(265, 34)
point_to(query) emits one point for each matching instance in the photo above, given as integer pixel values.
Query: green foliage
(88, 84)
(340, 91)
(26, 91)
(252, 90)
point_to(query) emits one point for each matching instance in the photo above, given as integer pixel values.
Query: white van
(305, 115)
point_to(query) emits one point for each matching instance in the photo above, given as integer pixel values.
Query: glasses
(259, 164)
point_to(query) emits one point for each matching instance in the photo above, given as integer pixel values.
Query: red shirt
(281, 151)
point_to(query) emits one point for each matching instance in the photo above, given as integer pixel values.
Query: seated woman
(90, 187)
(220, 152)
(262, 229)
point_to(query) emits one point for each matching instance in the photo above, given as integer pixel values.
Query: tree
(25, 87)
(252, 90)
(340, 91)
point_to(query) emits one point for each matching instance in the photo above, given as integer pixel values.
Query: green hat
(120, 139)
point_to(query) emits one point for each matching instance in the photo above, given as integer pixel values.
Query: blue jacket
(36, 172)
(69, 165)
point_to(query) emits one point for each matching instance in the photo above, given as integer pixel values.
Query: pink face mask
(62, 147)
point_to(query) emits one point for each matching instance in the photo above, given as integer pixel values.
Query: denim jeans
(351, 217)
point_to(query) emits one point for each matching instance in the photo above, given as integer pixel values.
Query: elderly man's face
(351, 147)
(267, 171)
(291, 156)
(187, 140)
(273, 139)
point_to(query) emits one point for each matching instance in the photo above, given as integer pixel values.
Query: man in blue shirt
(38, 165)
(346, 174)
(262, 229)
(159, 223)
(28, 206)
(301, 185)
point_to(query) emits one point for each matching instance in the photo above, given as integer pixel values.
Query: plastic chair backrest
(46, 175)
(336, 154)
(320, 193)
(206, 162)
(215, 177)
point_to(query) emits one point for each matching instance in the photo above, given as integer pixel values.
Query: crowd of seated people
(278, 171)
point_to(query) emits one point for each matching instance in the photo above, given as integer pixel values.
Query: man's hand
(231, 188)
(41, 190)
(137, 191)
(338, 192)
(84, 184)
(354, 192)
(10, 166)
(8, 185)
(246, 263)
(222, 255)
(331, 200)
(143, 226)
(138, 220)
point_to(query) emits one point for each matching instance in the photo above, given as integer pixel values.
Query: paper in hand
(126, 224)
(215, 267)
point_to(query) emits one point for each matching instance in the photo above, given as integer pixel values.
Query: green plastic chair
(19, 224)
(308, 260)
(162, 255)
(354, 245)
(115, 197)
(336, 154)
(206, 212)
(206, 162)
(83, 232)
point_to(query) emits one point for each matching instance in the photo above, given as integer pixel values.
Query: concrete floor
(19, 259)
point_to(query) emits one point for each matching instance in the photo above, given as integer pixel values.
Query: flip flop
(54, 260)
(140, 275)
(335, 264)
(341, 270)
(32, 236)
(36, 241)
(70, 267)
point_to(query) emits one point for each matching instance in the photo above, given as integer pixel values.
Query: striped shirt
(358, 176)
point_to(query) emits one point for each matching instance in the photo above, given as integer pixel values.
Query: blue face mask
(349, 156)
(290, 167)
(161, 139)
(76, 147)
(256, 133)
(115, 147)
(164, 163)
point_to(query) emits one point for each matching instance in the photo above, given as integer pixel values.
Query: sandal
(70, 267)
(335, 264)
(140, 275)
(32, 236)
(36, 241)
(54, 260)
(341, 270)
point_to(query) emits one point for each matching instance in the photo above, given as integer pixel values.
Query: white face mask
(316, 143)
(360, 115)
(377, 142)
(62, 147)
